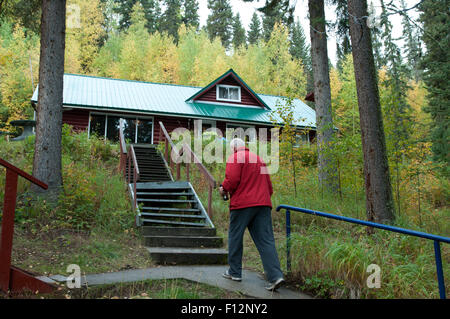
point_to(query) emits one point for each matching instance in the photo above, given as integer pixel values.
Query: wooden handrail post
(129, 168)
(9, 208)
(210, 201)
(178, 171)
(134, 188)
(187, 172)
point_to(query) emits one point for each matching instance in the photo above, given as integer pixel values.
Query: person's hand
(221, 191)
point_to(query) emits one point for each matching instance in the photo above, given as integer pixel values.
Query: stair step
(171, 209)
(163, 194)
(164, 185)
(177, 231)
(173, 215)
(183, 241)
(167, 222)
(165, 200)
(188, 256)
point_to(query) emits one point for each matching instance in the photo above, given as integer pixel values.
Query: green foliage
(18, 53)
(238, 32)
(171, 19)
(254, 33)
(190, 16)
(94, 195)
(219, 21)
(436, 63)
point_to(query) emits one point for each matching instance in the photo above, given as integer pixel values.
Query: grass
(330, 258)
(93, 226)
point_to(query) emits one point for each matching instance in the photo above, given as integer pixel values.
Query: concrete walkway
(252, 284)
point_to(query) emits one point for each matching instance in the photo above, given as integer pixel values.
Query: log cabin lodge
(97, 104)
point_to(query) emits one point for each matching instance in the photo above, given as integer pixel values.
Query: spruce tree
(273, 14)
(190, 14)
(238, 32)
(396, 109)
(343, 46)
(300, 49)
(254, 34)
(436, 64)
(171, 18)
(219, 22)
(152, 12)
(412, 47)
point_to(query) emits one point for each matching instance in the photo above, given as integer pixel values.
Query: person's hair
(236, 143)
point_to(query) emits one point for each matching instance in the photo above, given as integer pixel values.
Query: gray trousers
(258, 220)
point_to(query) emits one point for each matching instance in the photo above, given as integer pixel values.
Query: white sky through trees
(246, 10)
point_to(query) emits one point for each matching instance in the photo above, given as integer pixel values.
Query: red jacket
(245, 180)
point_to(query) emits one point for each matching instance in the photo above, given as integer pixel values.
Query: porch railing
(128, 157)
(191, 156)
(14, 279)
(437, 239)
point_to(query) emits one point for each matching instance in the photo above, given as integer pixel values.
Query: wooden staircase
(175, 226)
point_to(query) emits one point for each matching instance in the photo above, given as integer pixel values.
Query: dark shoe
(275, 285)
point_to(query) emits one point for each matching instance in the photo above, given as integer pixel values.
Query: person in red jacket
(248, 184)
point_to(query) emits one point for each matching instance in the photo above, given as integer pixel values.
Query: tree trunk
(322, 96)
(379, 200)
(47, 151)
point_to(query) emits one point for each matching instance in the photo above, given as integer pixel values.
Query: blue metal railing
(437, 239)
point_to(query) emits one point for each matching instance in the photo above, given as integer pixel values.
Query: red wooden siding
(246, 97)
(79, 119)
(170, 123)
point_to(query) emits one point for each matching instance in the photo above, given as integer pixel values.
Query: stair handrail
(437, 239)
(13, 278)
(128, 156)
(211, 180)
(136, 174)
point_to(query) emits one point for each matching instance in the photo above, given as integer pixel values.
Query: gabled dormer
(230, 89)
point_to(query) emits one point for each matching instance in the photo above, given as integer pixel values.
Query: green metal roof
(107, 94)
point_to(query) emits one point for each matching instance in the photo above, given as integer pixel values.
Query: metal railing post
(288, 240)
(439, 271)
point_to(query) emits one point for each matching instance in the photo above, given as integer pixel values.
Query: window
(301, 138)
(247, 133)
(135, 130)
(228, 93)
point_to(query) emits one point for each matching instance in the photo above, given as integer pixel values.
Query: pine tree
(436, 63)
(322, 94)
(254, 34)
(152, 12)
(171, 18)
(300, 49)
(379, 200)
(343, 46)
(219, 22)
(396, 109)
(273, 14)
(190, 14)
(412, 47)
(238, 32)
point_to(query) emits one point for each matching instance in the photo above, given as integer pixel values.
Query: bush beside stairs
(175, 226)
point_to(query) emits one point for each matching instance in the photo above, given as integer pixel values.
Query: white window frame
(218, 86)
